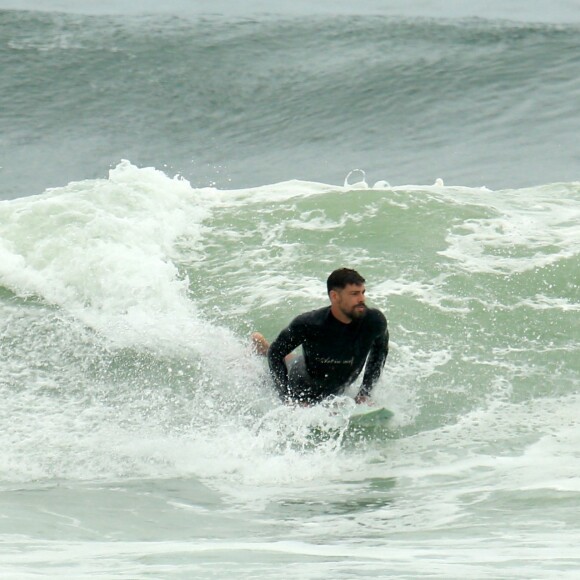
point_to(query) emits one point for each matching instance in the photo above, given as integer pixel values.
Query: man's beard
(357, 312)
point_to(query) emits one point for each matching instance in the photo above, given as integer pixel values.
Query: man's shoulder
(312, 317)
(376, 318)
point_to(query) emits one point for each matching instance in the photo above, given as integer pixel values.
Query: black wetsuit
(334, 354)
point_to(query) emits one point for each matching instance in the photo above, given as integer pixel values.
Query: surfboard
(367, 423)
(362, 423)
(365, 416)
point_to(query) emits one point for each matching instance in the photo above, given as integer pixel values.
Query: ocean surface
(175, 176)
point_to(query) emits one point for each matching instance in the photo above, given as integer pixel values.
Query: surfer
(336, 341)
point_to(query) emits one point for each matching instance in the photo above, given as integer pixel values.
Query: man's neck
(339, 315)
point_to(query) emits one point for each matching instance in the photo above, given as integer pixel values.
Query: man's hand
(363, 399)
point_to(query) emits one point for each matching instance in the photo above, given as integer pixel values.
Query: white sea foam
(103, 249)
(528, 230)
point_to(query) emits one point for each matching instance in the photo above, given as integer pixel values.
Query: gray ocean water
(173, 177)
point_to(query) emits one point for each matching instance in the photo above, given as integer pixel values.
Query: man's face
(350, 300)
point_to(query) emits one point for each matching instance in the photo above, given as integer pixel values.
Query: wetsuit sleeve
(375, 363)
(290, 338)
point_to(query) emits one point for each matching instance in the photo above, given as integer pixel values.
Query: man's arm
(290, 338)
(375, 363)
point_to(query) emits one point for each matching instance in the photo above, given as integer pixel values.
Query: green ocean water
(140, 432)
(253, 98)
(139, 435)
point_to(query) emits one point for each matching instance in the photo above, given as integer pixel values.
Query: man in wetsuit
(336, 340)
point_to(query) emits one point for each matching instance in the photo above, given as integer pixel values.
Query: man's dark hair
(340, 278)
